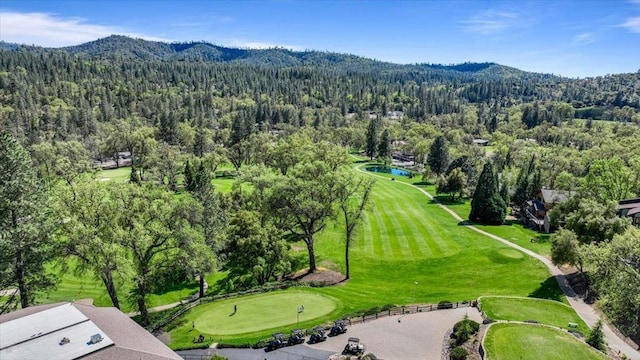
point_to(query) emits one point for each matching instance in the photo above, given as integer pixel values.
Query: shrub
(445, 304)
(458, 354)
(463, 330)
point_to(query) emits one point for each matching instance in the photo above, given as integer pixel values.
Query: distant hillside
(126, 48)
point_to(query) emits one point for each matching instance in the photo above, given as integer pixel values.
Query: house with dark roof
(630, 208)
(535, 211)
(551, 198)
(68, 331)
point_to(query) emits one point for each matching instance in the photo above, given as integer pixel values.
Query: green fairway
(513, 231)
(531, 342)
(405, 238)
(254, 314)
(522, 309)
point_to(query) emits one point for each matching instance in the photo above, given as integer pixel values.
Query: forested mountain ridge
(118, 47)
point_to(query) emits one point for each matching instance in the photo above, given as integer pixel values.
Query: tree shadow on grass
(548, 289)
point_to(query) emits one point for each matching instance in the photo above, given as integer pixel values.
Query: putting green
(530, 342)
(259, 312)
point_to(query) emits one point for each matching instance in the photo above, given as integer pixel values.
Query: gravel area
(407, 337)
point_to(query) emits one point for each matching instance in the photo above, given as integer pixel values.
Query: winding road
(585, 311)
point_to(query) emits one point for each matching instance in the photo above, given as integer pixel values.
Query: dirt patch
(322, 276)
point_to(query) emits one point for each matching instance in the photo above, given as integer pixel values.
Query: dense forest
(286, 121)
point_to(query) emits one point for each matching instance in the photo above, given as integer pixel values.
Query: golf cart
(338, 328)
(297, 337)
(317, 335)
(277, 342)
(353, 347)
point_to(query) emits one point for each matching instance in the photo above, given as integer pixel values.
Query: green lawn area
(531, 342)
(82, 286)
(522, 309)
(119, 175)
(407, 238)
(275, 309)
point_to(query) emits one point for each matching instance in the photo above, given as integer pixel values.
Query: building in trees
(631, 209)
(534, 212)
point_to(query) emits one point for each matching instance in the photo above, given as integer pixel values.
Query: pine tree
(487, 206)
(25, 225)
(438, 159)
(596, 337)
(188, 177)
(383, 146)
(372, 138)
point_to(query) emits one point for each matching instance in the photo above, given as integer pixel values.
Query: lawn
(513, 231)
(522, 309)
(119, 175)
(531, 342)
(406, 238)
(72, 287)
(254, 314)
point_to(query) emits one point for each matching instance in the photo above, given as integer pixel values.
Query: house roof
(555, 196)
(633, 211)
(36, 332)
(628, 204)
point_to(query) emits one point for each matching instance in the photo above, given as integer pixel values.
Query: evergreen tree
(25, 226)
(384, 151)
(487, 206)
(372, 138)
(188, 177)
(202, 180)
(524, 183)
(438, 158)
(504, 191)
(596, 337)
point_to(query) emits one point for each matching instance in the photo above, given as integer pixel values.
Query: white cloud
(51, 31)
(490, 22)
(584, 38)
(632, 24)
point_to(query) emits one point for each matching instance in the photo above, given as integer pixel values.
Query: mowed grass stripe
(362, 241)
(377, 229)
(427, 217)
(428, 236)
(410, 231)
(382, 219)
(393, 217)
(407, 215)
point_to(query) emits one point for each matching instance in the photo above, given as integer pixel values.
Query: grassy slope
(82, 286)
(522, 309)
(407, 238)
(530, 342)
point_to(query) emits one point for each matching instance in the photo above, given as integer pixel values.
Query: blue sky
(570, 38)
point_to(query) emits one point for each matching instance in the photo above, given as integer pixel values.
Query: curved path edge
(585, 311)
